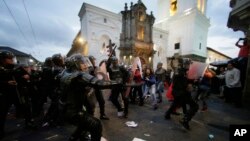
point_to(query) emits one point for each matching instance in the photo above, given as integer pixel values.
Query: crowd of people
(73, 85)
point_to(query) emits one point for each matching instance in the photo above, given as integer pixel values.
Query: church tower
(187, 25)
(136, 38)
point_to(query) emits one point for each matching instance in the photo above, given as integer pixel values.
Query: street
(152, 126)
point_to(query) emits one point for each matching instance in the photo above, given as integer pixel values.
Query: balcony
(239, 17)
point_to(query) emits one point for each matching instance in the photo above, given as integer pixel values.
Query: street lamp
(80, 40)
(31, 60)
(149, 59)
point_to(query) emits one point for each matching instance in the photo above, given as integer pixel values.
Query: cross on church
(111, 49)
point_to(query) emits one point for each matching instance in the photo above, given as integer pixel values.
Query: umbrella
(224, 62)
(219, 63)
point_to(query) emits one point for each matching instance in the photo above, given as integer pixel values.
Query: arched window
(140, 33)
(173, 7)
(201, 5)
(141, 16)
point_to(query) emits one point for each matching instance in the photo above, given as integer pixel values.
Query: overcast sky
(55, 24)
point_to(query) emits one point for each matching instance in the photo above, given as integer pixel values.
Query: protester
(160, 75)
(243, 58)
(232, 90)
(149, 86)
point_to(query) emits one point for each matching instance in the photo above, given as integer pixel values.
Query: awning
(223, 63)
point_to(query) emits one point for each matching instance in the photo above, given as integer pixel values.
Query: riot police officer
(119, 74)
(182, 93)
(23, 79)
(51, 117)
(160, 75)
(46, 83)
(8, 89)
(98, 93)
(75, 86)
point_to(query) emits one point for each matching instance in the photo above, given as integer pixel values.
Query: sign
(239, 132)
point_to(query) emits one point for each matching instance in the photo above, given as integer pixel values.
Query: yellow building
(214, 55)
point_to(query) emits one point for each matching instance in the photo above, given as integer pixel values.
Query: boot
(167, 116)
(104, 117)
(185, 124)
(85, 136)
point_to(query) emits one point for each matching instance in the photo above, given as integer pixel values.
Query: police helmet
(4, 54)
(77, 59)
(48, 62)
(68, 63)
(91, 58)
(57, 59)
(114, 59)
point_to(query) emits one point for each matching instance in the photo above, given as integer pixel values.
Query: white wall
(160, 39)
(97, 32)
(189, 27)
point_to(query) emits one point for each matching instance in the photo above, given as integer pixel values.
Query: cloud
(225, 45)
(56, 23)
(220, 37)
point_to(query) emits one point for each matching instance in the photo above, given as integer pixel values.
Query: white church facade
(180, 28)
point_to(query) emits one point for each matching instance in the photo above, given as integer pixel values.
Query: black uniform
(8, 95)
(182, 97)
(78, 108)
(53, 111)
(99, 97)
(120, 75)
(23, 86)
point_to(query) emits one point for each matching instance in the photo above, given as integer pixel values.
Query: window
(141, 16)
(173, 7)
(177, 46)
(200, 46)
(201, 5)
(105, 20)
(140, 33)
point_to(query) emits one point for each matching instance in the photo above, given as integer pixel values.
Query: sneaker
(46, 124)
(104, 117)
(120, 114)
(85, 136)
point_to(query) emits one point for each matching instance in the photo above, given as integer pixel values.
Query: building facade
(180, 28)
(136, 37)
(21, 57)
(214, 56)
(187, 25)
(98, 26)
